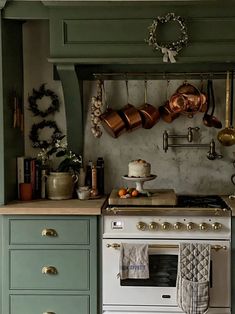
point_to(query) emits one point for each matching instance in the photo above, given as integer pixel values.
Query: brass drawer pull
(49, 233)
(49, 270)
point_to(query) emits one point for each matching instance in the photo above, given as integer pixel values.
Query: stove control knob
(178, 226)
(216, 226)
(190, 226)
(202, 226)
(166, 226)
(152, 225)
(141, 225)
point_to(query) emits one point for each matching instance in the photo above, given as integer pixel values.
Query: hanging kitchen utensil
(165, 111)
(112, 121)
(187, 100)
(130, 115)
(227, 136)
(210, 120)
(149, 114)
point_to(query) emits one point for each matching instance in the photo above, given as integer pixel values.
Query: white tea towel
(134, 261)
(193, 277)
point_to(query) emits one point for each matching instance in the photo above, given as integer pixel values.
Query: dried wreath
(39, 94)
(34, 136)
(169, 50)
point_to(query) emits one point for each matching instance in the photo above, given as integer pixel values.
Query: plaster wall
(184, 169)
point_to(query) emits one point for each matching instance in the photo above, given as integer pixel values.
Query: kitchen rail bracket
(211, 154)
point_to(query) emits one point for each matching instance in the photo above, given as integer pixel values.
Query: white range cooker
(197, 219)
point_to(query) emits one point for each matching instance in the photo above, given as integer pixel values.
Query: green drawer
(72, 267)
(50, 231)
(38, 304)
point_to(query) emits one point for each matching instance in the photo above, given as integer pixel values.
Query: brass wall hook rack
(211, 154)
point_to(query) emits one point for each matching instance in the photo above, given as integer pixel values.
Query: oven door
(160, 288)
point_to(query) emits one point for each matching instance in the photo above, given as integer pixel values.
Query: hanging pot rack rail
(159, 75)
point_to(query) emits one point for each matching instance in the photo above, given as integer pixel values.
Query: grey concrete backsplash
(187, 170)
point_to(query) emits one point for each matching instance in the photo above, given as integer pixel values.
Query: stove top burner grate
(203, 201)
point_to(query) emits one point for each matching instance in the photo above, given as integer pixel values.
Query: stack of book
(29, 170)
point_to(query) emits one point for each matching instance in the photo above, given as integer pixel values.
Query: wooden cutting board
(158, 197)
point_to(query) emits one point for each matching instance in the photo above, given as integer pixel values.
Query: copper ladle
(227, 136)
(209, 119)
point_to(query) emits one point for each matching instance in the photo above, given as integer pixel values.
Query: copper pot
(188, 100)
(149, 114)
(166, 114)
(131, 117)
(113, 123)
(178, 103)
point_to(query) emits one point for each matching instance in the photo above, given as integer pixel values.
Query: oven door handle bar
(166, 246)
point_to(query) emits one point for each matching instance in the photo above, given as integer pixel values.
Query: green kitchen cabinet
(49, 264)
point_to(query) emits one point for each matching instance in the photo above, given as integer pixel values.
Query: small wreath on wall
(169, 50)
(39, 94)
(34, 136)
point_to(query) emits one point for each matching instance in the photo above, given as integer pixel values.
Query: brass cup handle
(49, 233)
(49, 270)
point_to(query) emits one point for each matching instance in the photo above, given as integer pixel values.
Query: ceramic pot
(60, 185)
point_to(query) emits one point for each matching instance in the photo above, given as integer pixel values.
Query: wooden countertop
(67, 207)
(49, 207)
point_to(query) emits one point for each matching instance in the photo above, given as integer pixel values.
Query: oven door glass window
(162, 272)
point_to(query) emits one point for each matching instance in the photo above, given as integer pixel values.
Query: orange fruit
(122, 192)
(134, 193)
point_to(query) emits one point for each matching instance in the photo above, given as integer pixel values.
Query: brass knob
(190, 226)
(202, 226)
(49, 270)
(166, 226)
(178, 226)
(216, 226)
(152, 225)
(49, 233)
(141, 225)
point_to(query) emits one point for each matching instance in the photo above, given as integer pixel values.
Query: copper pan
(149, 114)
(166, 114)
(178, 103)
(113, 123)
(131, 117)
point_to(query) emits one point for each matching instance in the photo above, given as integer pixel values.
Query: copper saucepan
(130, 115)
(112, 121)
(166, 114)
(149, 114)
(188, 100)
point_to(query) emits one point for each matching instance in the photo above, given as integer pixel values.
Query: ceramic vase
(60, 185)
